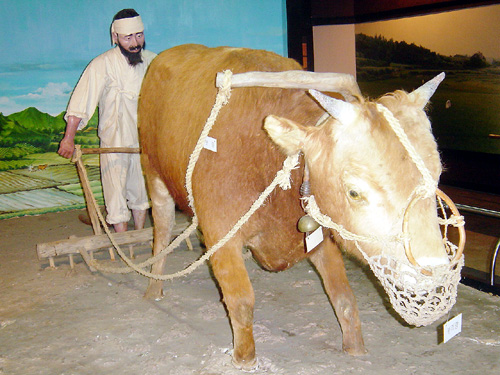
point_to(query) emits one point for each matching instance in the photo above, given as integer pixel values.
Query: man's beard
(133, 58)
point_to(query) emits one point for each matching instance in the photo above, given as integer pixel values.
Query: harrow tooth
(112, 254)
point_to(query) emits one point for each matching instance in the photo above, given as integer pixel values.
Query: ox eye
(353, 194)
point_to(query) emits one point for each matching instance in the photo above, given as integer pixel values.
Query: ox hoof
(154, 293)
(356, 351)
(246, 366)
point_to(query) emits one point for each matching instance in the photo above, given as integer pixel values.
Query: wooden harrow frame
(86, 246)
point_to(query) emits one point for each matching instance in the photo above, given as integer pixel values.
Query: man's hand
(67, 145)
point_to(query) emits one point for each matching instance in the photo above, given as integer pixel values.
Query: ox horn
(424, 92)
(342, 111)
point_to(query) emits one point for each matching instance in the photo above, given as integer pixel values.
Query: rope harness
(419, 296)
(282, 179)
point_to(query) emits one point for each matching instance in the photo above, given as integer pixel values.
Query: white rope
(456, 221)
(312, 209)
(282, 179)
(223, 95)
(429, 186)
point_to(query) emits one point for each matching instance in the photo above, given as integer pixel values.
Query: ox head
(361, 174)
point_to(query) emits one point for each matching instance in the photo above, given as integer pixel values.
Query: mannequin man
(112, 81)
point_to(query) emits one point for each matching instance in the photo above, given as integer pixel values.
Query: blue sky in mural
(50, 42)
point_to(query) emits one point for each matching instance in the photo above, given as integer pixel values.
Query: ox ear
(287, 134)
(422, 95)
(343, 111)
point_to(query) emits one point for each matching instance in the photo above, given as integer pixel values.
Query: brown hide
(177, 95)
(176, 98)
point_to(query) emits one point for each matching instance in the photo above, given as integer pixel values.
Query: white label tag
(210, 144)
(452, 328)
(314, 239)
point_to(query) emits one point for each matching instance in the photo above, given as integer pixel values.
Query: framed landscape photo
(464, 111)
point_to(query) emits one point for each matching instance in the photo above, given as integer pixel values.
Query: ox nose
(429, 261)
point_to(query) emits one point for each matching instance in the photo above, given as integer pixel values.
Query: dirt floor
(59, 321)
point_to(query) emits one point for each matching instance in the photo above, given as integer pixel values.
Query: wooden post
(89, 197)
(87, 191)
(111, 254)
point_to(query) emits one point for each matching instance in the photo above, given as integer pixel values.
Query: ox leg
(163, 211)
(330, 265)
(229, 269)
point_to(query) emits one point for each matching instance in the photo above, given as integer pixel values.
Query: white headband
(126, 26)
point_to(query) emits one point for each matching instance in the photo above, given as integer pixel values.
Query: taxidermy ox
(360, 174)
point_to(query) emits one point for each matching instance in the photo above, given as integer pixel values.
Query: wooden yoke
(344, 84)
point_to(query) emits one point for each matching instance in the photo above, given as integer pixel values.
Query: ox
(360, 174)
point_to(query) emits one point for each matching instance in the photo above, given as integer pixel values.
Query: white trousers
(123, 186)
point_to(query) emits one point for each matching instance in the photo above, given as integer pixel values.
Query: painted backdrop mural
(48, 45)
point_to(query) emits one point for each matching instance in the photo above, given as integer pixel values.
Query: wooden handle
(106, 150)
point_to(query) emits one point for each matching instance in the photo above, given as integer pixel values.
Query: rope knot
(225, 89)
(427, 189)
(456, 221)
(283, 176)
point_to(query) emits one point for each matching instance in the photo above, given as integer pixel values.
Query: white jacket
(112, 84)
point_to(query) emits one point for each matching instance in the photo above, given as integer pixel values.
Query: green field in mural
(47, 186)
(33, 178)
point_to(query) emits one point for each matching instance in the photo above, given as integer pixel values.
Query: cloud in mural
(8, 106)
(51, 90)
(51, 98)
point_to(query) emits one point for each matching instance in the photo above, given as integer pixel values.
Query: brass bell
(307, 224)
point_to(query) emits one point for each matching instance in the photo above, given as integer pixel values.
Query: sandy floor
(58, 321)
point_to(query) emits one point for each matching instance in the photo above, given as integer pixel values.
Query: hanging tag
(210, 144)
(452, 328)
(314, 239)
